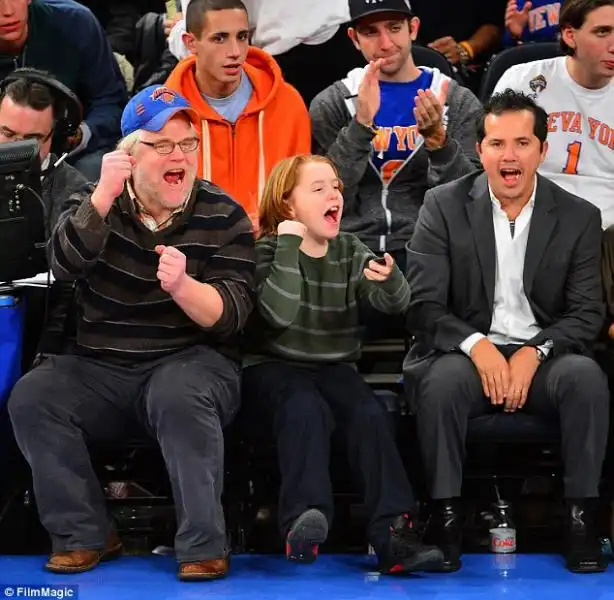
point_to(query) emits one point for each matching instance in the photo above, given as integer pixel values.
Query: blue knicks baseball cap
(151, 109)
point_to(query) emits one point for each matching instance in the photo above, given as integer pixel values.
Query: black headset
(68, 110)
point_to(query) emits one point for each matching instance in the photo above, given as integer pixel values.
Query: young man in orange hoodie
(250, 117)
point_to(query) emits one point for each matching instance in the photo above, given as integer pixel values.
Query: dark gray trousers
(183, 401)
(571, 389)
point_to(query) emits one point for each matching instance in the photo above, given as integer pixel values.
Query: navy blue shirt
(66, 40)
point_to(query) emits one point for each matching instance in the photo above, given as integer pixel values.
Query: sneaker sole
(307, 533)
(423, 562)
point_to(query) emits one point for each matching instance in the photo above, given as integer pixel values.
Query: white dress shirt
(513, 321)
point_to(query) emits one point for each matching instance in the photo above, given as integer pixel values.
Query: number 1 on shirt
(573, 157)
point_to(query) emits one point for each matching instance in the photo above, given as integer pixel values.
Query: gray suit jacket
(452, 268)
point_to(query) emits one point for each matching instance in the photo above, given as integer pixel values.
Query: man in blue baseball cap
(164, 264)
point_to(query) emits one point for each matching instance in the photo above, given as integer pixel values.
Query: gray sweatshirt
(383, 215)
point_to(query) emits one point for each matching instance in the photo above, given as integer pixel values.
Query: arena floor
(484, 576)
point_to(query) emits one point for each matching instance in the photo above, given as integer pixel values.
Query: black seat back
(427, 57)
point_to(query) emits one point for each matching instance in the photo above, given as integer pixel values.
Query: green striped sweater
(308, 308)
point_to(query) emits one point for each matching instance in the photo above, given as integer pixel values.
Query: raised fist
(171, 268)
(116, 169)
(291, 228)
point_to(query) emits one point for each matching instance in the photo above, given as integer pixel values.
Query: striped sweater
(125, 316)
(308, 308)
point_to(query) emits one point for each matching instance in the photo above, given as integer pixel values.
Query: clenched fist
(291, 228)
(171, 268)
(116, 169)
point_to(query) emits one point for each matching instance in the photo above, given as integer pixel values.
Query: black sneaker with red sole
(305, 536)
(406, 552)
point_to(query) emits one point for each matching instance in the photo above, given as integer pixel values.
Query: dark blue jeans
(304, 407)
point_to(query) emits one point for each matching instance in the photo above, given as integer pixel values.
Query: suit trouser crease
(305, 406)
(569, 388)
(183, 401)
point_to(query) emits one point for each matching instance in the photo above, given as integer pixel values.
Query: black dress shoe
(583, 547)
(445, 532)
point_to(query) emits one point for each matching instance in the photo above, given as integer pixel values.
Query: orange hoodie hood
(274, 125)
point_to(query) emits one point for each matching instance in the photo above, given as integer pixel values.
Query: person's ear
(414, 27)
(189, 39)
(544, 151)
(354, 37)
(568, 35)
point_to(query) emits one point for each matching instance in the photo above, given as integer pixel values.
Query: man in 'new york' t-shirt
(577, 91)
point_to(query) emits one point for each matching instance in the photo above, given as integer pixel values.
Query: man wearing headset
(32, 110)
(34, 105)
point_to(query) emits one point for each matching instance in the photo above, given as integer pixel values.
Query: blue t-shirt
(232, 106)
(396, 124)
(543, 25)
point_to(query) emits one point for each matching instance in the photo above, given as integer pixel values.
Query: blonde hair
(283, 179)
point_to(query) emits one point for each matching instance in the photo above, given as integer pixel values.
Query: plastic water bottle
(503, 531)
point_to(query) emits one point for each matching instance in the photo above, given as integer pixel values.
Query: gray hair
(128, 142)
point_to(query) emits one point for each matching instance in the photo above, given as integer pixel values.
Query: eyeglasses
(167, 146)
(9, 134)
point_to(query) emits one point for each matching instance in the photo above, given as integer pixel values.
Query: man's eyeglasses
(11, 135)
(167, 146)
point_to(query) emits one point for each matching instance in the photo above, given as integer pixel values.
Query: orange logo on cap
(164, 94)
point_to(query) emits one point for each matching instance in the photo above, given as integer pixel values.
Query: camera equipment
(23, 215)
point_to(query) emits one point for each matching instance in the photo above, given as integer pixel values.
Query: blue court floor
(488, 577)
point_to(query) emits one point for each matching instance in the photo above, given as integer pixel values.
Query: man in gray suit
(506, 302)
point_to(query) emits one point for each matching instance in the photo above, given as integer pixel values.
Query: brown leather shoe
(215, 568)
(79, 561)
